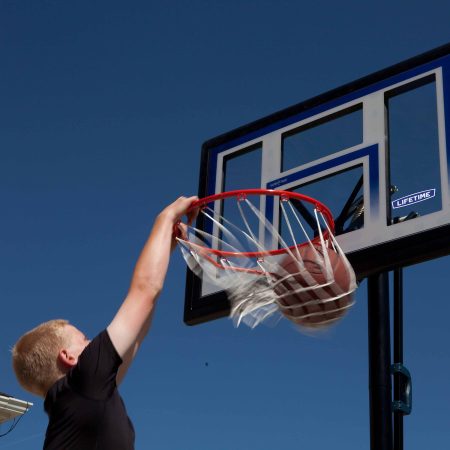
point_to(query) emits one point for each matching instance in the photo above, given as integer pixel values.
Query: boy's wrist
(168, 217)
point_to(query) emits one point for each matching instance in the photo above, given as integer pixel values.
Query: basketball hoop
(300, 273)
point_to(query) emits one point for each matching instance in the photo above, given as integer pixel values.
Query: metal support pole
(380, 395)
(398, 354)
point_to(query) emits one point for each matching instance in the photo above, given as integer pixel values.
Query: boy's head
(45, 354)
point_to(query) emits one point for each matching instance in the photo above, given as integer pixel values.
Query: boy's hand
(176, 210)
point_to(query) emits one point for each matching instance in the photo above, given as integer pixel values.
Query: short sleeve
(94, 376)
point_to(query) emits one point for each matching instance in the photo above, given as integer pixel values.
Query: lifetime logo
(414, 198)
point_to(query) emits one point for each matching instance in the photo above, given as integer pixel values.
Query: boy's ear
(66, 358)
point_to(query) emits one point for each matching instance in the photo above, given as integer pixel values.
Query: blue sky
(104, 106)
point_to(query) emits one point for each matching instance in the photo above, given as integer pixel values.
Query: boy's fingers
(182, 207)
(182, 231)
(184, 203)
(192, 216)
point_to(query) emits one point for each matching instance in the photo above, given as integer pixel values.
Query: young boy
(78, 378)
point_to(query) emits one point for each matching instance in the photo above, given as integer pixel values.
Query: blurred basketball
(313, 308)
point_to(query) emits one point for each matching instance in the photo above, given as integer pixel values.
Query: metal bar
(344, 215)
(398, 353)
(380, 395)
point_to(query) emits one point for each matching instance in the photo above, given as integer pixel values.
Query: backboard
(375, 151)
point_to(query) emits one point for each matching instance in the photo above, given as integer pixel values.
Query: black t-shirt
(85, 409)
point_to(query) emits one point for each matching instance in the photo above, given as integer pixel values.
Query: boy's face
(76, 343)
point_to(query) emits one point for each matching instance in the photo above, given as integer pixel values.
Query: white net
(308, 280)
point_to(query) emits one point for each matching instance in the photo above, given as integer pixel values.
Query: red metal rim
(241, 195)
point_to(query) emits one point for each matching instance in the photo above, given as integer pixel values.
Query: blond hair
(35, 356)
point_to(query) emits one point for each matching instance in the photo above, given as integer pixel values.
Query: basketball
(314, 307)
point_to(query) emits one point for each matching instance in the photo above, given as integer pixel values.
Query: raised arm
(133, 319)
